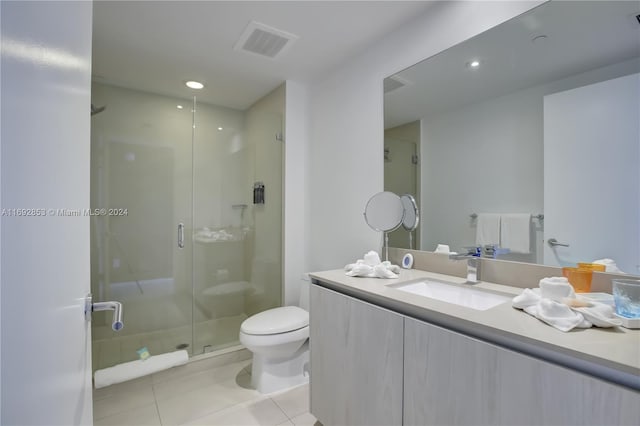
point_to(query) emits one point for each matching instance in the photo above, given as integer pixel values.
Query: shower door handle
(90, 307)
(181, 235)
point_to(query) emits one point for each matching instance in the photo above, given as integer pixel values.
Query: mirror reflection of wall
(486, 133)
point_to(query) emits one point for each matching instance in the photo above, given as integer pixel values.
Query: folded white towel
(599, 314)
(364, 268)
(442, 248)
(359, 269)
(372, 258)
(610, 265)
(515, 232)
(383, 271)
(546, 304)
(488, 229)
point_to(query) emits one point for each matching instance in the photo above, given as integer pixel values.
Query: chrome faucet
(473, 265)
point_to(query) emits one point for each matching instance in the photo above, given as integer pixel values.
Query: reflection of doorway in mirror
(402, 171)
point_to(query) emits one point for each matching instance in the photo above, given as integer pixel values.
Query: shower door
(141, 190)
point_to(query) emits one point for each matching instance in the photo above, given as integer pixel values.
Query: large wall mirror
(537, 116)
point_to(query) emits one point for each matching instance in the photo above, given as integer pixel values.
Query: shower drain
(182, 346)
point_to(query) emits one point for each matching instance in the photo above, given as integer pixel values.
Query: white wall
(346, 129)
(592, 173)
(483, 158)
(488, 157)
(296, 201)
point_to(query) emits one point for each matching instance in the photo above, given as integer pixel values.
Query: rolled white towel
(138, 368)
(556, 288)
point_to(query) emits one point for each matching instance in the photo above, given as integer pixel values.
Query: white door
(592, 173)
(46, 342)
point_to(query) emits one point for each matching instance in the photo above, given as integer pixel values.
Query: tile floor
(214, 391)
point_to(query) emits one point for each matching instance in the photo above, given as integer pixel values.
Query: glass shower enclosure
(178, 239)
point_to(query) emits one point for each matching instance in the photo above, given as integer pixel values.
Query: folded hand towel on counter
(488, 229)
(555, 304)
(368, 267)
(515, 232)
(556, 289)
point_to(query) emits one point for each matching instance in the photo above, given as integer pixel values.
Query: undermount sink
(456, 294)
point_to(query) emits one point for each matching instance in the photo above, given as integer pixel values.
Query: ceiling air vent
(263, 40)
(394, 82)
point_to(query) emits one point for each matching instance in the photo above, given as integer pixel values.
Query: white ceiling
(581, 36)
(157, 45)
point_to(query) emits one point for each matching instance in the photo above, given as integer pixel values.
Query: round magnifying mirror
(411, 213)
(384, 211)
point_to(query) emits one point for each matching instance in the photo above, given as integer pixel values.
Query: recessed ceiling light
(194, 84)
(474, 64)
(179, 106)
(219, 128)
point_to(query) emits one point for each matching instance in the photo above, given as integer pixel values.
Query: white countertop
(609, 353)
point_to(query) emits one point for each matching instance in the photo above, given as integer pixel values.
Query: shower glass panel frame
(194, 166)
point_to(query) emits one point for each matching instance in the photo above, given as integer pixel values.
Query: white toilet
(279, 341)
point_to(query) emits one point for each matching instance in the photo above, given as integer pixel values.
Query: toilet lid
(277, 320)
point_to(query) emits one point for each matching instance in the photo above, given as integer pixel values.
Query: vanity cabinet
(373, 366)
(453, 379)
(356, 361)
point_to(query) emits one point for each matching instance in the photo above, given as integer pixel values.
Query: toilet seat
(270, 341)
(276, 321)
